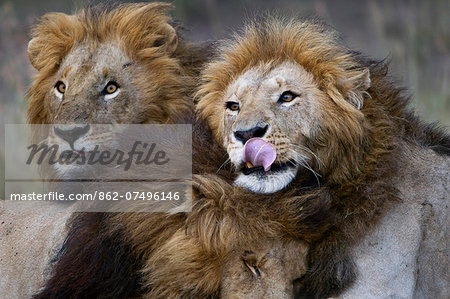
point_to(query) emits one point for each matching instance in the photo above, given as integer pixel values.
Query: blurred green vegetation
(413, 35)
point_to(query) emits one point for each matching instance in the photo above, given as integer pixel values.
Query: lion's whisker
(227, 161)
(305, 148)
(293, 164)
(302, 161)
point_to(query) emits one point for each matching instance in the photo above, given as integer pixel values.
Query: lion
(292, 106)
(103, 65)
(271, 269)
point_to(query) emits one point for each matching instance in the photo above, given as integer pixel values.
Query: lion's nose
(257, 131)
(72, 134)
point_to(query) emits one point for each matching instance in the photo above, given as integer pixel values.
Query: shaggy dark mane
(93, 262)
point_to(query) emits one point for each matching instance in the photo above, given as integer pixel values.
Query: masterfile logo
(100, 164)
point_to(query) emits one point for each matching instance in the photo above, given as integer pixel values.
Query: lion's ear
(51, 39)
(152, 21)
(354, 86)
(33, 51)
(168, 40)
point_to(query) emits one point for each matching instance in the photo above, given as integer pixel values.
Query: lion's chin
(270, 182)
(70, 172)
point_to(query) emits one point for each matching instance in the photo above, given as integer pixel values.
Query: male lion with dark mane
(104, 65)
(292, 107)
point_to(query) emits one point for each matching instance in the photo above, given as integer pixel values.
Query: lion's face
(96, 86)
(262, 272)
(281, 105)
(285, 97)
(76, 144)
(116, 65)
(93, 85)
(106, 67)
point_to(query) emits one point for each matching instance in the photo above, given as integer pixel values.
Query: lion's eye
(110, 88)
(233, 106)
(60, 87)
(287, 96)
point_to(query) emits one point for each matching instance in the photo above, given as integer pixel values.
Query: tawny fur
(265, 272)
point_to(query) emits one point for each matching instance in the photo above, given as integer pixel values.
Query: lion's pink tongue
(260, 153)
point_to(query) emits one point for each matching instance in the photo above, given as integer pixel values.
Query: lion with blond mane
(294, 109)
(104, 64)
